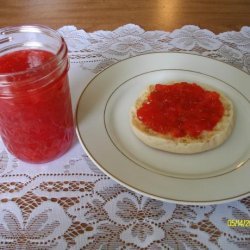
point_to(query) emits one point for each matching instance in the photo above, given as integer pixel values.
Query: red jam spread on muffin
(181, 109)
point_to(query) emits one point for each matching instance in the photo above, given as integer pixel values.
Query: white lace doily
(70, 204)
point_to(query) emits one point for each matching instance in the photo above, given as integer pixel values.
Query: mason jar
(36, 121)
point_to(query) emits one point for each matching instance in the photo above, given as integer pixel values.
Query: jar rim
(38, 29)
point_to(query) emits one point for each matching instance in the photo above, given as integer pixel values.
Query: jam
(36, 122)
(181, 109)
(22, 60)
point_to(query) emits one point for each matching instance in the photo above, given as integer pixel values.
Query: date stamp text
(238, 223)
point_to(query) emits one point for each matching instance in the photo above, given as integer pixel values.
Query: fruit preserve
(181, 109)
(36, 122)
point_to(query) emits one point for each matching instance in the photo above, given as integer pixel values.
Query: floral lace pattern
(70, 204)
(97, 50)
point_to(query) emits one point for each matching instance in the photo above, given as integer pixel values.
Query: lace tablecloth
(70, 204)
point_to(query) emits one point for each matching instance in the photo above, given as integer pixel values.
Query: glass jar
(36, 121)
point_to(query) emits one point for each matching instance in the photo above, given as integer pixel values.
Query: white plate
(102, 117)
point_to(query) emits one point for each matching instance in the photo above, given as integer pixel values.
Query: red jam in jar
(181, 109)
(36, 121)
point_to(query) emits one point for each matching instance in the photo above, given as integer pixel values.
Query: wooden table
(91, 15)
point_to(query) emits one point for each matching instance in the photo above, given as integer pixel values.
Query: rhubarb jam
(181, 109)
(36, 121)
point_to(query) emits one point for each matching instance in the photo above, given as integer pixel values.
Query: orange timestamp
(238, 223)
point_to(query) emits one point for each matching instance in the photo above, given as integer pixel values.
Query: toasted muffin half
(186, 143)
